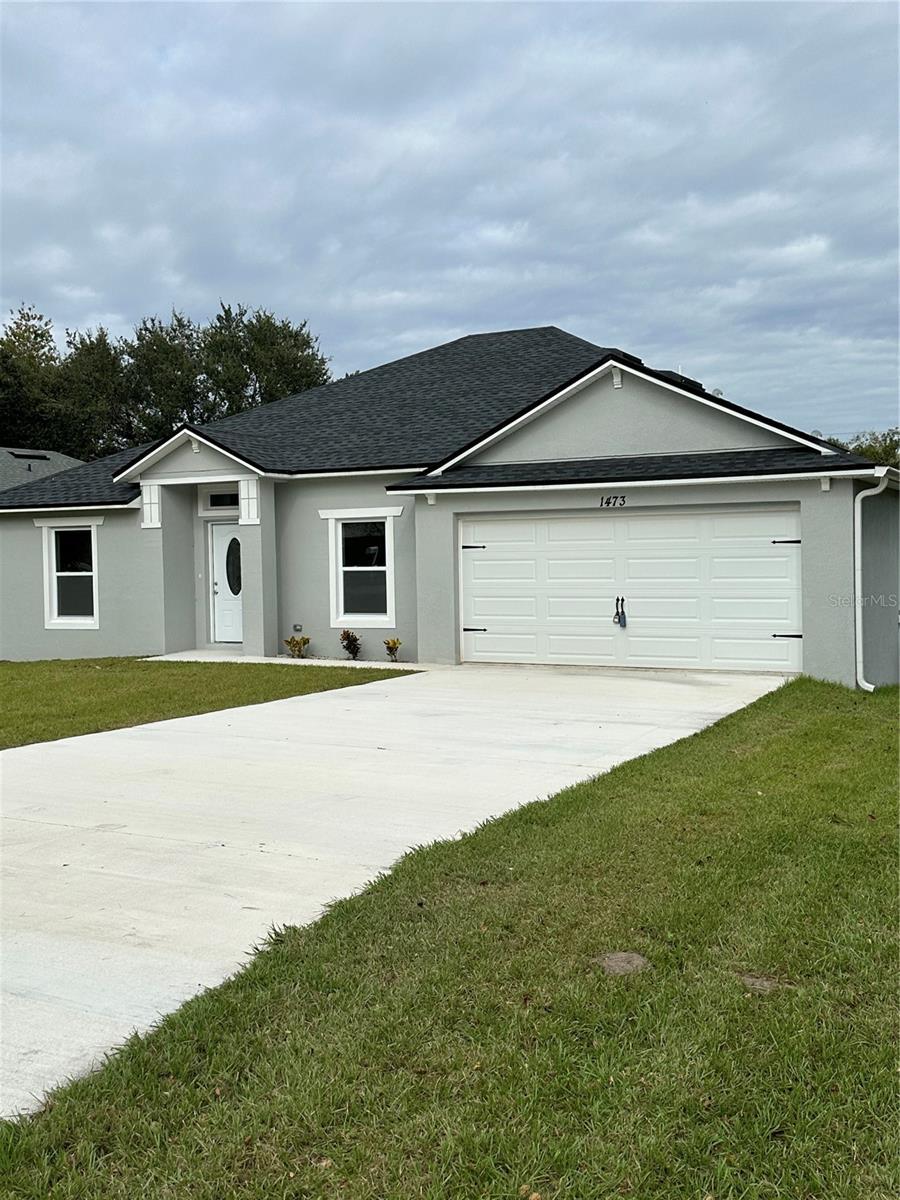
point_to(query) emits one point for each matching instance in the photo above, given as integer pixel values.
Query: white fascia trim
(177, 439)
(77, 508)
(615, 484)
(359, 514)
(572, 388)
(345, 474)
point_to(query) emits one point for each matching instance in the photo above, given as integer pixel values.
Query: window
(223, 499)
(362, 566)
(70, 573)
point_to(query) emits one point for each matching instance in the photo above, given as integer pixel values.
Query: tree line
(101, 393)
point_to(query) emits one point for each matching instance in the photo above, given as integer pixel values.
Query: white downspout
(882, 475)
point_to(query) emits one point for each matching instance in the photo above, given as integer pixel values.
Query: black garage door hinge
(786, 541)
(787, 635)
(472, 629)
(467, 546)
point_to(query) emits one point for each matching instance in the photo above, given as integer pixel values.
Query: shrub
(296, 646)
(392, 645)
(350, 642)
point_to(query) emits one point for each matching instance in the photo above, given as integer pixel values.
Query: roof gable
(625, 416)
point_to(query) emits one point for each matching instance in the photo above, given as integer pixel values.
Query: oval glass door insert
(233, 566)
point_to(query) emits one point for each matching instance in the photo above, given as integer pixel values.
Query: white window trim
(48, 526)
(336, 518)
(204, 509)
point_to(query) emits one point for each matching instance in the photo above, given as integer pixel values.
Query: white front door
(227, 605)
(703, 589)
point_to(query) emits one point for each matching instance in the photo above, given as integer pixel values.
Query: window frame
(205, 491)
(337, 518)
(49, 528)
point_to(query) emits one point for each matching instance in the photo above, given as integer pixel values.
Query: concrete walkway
(140, 865)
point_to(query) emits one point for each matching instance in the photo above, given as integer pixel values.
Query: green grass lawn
(56, 698)
(449, 1034)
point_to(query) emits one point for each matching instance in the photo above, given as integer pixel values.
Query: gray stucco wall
(826, 556)
(880, 585)
(130, 592)
(302, 558)
(178, 506)
(638, 418)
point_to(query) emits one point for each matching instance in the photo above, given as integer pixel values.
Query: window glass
(73, 550)
(75, 595)
(363, 544)
(223, 500)
(365, 592)
(233, 566)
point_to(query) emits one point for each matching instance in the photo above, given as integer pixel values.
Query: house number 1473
(611, 502)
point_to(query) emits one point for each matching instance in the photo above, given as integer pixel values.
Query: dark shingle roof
(415, 412)
(89, 484)
(21, 465)
(713, 465)
(412, 412)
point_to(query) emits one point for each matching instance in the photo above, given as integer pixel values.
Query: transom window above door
(361, 554)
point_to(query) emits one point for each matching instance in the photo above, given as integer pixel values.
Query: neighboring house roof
(84, 486)
(20, 465)
(412, 414)
(716, 464)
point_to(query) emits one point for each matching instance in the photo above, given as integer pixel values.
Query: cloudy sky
(710, 186)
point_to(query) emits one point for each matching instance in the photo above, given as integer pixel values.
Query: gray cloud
(710, 186)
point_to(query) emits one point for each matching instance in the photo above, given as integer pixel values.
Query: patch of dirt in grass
(762, 985)
(623, 962)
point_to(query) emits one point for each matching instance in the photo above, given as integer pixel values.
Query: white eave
(613, 484)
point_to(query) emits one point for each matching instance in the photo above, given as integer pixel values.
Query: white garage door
(706, 590)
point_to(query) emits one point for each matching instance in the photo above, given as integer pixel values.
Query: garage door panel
(669, 650)
(663, 608)
(501, 533)
(771, 611)
(575, 648)
(511, 607)
(735, 529)
(666, 530)
(703, 590)
(588, 570)
(580, 608)
(744, 568)
(767, 654)
(662, 570)
(580, 531)
(497, 569)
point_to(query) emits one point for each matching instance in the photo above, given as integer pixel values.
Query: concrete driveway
(140, 866)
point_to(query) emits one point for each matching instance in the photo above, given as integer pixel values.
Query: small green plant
(350, 642)
(392, 645)
(296, 646)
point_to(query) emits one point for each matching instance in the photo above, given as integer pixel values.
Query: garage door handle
(468, 546)
(787, 635)
(786, 541)
(472, 629)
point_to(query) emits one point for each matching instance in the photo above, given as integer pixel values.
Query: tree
(883, 446)
(103, 394)
(28, 363)
(89, 418)
(252, 358)
(164, 388)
